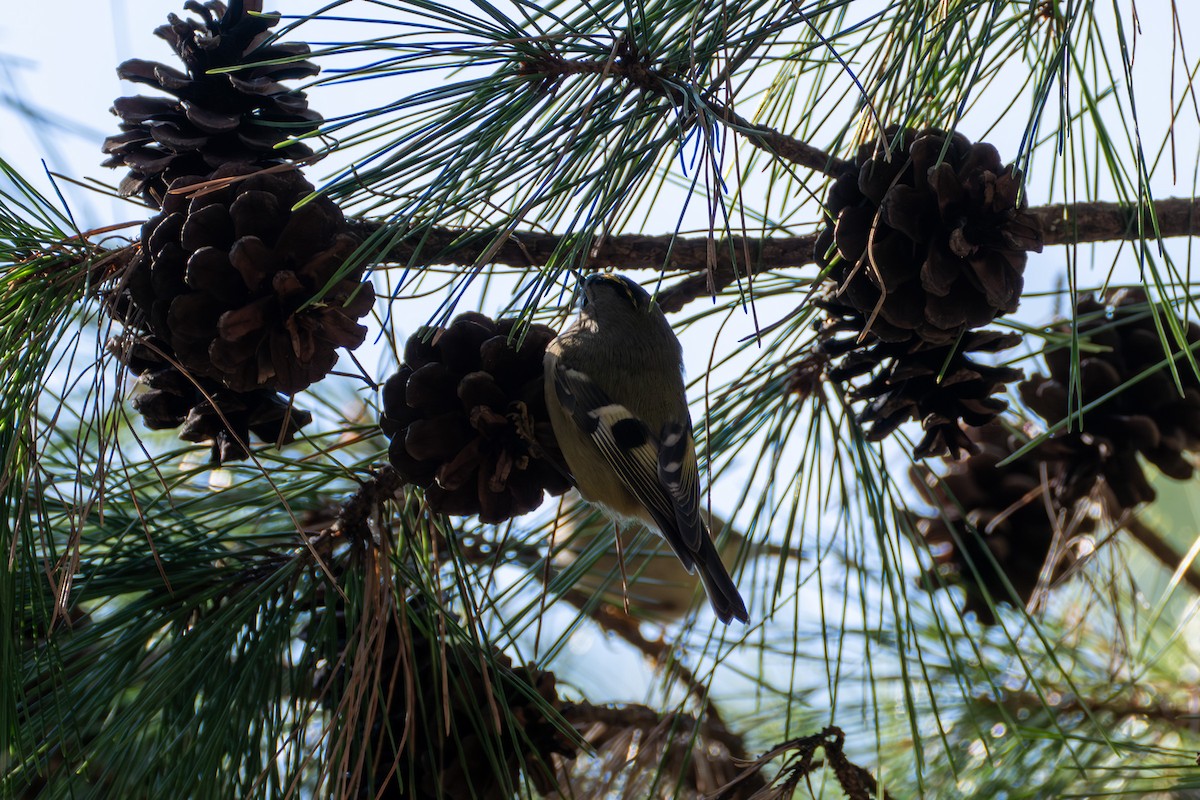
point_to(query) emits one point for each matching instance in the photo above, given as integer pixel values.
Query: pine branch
(625, 64)
(1082, 223)
(602, 725)
(1161, 712)
(585, 714)
(719, 262)
(856, 782)
(658, 652)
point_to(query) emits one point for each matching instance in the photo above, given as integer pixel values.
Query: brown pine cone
(928, 240)
(211, 119)
(207, 411)
(922, 245)
(468, 758)
(936, 386)
(224, 276)
(993, 521)
(1150, 417)
(464, 413)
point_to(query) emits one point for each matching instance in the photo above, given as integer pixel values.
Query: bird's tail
(722, 592)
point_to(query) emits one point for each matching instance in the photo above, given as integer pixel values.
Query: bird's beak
(583, 289)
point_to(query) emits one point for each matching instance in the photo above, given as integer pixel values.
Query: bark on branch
(719, 262)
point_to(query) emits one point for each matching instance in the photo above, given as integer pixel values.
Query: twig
(353, 518)
(856, 782)
(658, 652)
(642, 74)
(787, 148)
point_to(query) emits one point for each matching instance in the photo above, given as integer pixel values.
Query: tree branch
(1083, 223)
(627, 65)
(719, 262)
(659, 653)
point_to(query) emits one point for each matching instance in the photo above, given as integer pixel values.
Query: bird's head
(608, 294)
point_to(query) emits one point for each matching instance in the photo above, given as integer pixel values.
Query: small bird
(614, 388)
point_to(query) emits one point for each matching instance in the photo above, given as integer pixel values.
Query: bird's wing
(633, 452)
(679, 473)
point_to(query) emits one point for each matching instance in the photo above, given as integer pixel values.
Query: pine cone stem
(355, 514)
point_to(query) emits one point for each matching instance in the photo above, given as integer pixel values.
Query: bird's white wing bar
(679, 473)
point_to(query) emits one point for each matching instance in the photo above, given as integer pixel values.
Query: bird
(615, 393)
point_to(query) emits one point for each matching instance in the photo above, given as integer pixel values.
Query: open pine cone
(206, 410)
(927, 240)
(923, 244)
(1150, 417)
(987, 512)
(211, 119)
(468, 422)
(224, 275)
(936, 386)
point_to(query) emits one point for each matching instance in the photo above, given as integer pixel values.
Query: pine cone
(469, 757)
(922, 247)
(937, 386)
(211, 120)
(1150, 417)
(927, 245)
(464, 412)
(208, 412)
(223, 277)
(985, 510)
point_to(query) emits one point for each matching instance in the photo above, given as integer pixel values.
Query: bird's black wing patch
(630, 433)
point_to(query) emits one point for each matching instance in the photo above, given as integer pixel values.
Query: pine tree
(285, 515)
